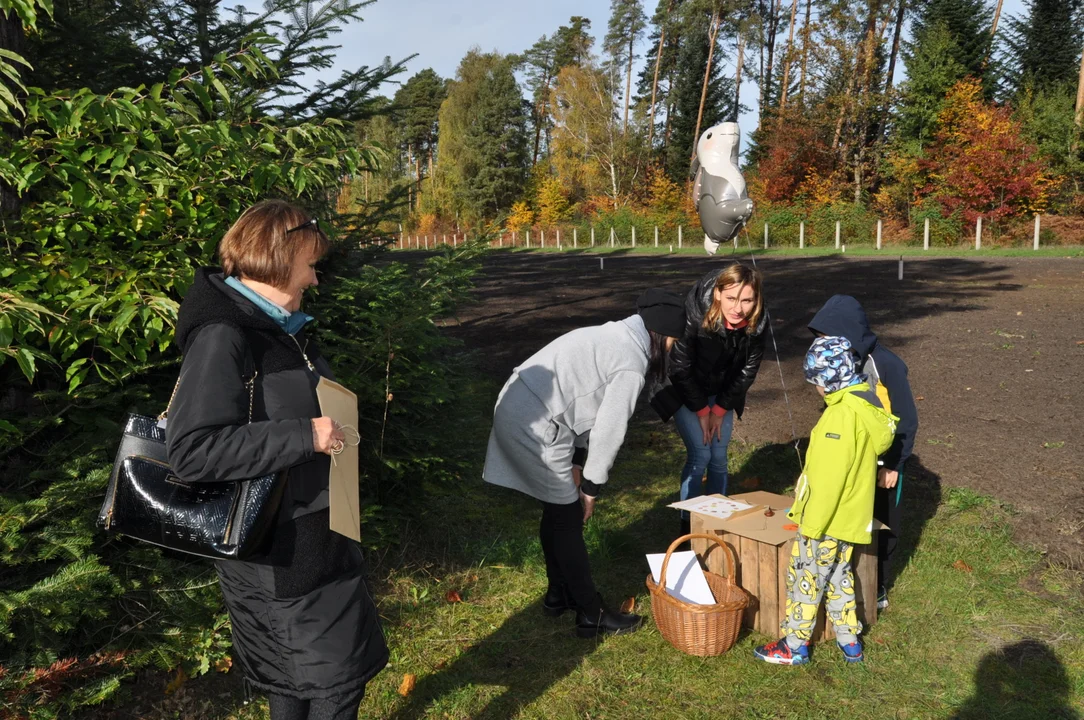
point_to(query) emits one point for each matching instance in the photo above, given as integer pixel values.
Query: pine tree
(656, 78)
(497, 142)
(685, 96)
(627, 22)
(1042, 48)
(418, 104)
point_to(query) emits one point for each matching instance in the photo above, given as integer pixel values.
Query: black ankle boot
(606, 622)
(557, 601)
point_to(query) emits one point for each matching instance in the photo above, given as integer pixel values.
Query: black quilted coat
(304, 623)
(723, 363)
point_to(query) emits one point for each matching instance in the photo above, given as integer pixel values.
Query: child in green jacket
(833, 504)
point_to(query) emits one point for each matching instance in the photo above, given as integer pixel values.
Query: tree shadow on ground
(527, 299)
(1022, 681)
(529, 652)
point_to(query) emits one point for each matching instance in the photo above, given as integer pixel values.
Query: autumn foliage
(980, 163)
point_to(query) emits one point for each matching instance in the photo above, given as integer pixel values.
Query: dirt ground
(995, 349)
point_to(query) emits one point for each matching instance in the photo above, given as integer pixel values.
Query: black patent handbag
(145, 500)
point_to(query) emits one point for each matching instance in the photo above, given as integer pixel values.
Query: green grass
(963, 636)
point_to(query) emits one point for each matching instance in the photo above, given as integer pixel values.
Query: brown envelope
(341, 405)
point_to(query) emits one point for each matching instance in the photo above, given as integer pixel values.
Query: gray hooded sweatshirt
(580, 388)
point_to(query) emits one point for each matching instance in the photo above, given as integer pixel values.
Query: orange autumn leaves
(980, 163)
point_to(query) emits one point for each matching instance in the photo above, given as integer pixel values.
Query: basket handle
(727, 553)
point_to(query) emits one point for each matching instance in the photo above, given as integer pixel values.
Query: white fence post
(680, 228)
(592, 236)
(801, 235)
(575, 238)
(878, 233)
(1035, 243)
(926, 236)
(558, 238)
(542, 233)
(978, 233)
(765, 236)
(656, 236)
(612, 237)
(634, 236)
(837, 234)
(528, 238)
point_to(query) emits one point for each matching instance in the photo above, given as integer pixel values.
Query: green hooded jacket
(834, 496)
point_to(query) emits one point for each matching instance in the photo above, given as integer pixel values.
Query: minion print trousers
(820, 569)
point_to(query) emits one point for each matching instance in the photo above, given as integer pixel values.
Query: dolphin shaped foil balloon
(719, 188)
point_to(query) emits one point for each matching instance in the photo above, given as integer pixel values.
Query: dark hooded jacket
(723, 363)
(304, 624)
(843, 316)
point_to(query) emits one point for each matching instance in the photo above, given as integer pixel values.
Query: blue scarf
(290, 322)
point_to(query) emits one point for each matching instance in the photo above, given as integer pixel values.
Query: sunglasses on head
(310, 223)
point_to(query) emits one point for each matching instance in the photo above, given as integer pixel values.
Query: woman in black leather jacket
(711, 369)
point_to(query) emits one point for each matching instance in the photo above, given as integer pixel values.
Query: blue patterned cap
(830, 364)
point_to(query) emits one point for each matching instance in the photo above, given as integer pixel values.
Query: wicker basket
(702, 630)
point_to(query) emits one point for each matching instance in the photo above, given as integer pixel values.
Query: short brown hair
(740, 275)
(259, 246)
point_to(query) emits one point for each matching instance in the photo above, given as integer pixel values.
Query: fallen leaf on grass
(961, 565)
(453, 596)
(407, 686)
(919, 397)
(179, 678)
(223, 665)
(1020, 312)
(629, 605)
(1080, 342)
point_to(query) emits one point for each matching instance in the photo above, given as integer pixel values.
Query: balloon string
(353, 439)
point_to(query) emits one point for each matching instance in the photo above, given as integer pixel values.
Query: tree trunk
(716, 22)
(1080, 95)
(805, 52)
(628, 85)
(773, 25)
(202, 10)
(761, 83)
(655, 80)
(540, 116)
(786, 59)
(892, 66)
(11, 39)
(997, 17)
(737, 76)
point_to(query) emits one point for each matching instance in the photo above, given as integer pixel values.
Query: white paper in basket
(684, 577)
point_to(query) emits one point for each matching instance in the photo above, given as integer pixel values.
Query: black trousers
(567, 565)
(342, 707)
(886, 508)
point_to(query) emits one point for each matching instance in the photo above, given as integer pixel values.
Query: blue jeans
(701, 457)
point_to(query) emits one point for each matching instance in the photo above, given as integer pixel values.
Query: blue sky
(442, 31)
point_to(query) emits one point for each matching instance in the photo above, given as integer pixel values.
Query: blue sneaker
(779, 653)
(852, 652)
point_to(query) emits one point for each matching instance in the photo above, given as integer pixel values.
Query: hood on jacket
(880, 424)
(843, 316)
(210, 300)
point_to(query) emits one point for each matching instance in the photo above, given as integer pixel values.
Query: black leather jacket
(722, 363)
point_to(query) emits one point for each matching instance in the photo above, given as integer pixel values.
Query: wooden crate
(762, 572)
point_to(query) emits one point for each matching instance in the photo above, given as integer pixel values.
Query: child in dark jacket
(843, 316)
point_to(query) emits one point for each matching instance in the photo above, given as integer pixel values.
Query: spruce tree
(685, 96)
(417, 104)
(932, 68)
(967, 23)
(666, 24)
(1042, 48)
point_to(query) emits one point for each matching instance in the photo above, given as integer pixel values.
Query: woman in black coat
(305, 629)
(711, 369)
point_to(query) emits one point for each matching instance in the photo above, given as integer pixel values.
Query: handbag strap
(250, 369)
